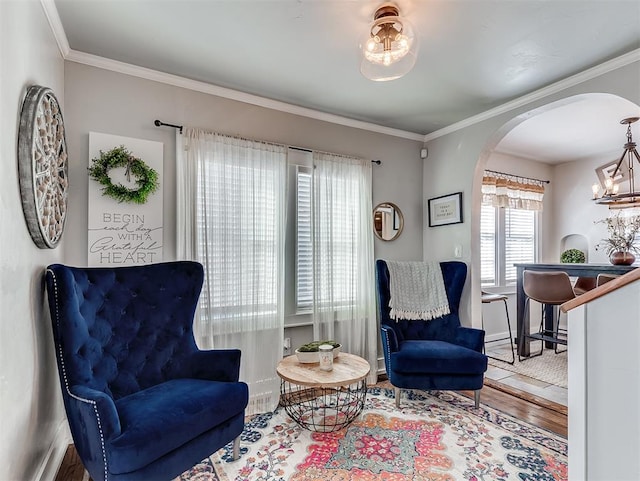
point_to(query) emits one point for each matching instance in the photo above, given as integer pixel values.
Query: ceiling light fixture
(389, 49)
(610, 196)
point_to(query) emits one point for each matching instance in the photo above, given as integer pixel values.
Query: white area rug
(550, 367)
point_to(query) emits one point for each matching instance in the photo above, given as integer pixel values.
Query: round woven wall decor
(43, 166)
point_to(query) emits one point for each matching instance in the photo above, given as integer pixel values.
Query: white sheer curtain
(344, 304)
(231, 217)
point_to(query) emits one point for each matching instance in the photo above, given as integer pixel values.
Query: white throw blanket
(416, 290)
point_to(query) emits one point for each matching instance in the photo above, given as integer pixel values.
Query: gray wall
(30, 403)
(578, 216)
(456, 162)
(104, 101)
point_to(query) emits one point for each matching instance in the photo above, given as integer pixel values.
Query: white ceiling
(583, 128)
(474, 54)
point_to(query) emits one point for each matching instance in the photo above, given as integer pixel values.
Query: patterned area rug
(437, 437)
(549, 367)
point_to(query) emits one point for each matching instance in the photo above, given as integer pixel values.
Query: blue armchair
(143, 403)
(438, 354)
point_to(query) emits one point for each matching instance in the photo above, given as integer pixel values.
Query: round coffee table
(323, 401)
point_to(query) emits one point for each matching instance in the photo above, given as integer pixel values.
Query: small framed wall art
(445, 210)
(606, 171)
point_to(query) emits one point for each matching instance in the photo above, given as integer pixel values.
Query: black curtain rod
(517, 176)
(158, 123)
(302, 149)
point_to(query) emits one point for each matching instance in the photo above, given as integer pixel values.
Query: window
(338, 235)
(273, 225)
(253, 230)
(322, 246)
(304, 253)
(507, 237)
(231, 213)
(520, 240)
(488, 245)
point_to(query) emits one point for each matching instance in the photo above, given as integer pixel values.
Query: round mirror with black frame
(388, 221)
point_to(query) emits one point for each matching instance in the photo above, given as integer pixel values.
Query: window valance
(512, 191)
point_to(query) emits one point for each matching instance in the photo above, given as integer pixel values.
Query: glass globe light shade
(389, 49)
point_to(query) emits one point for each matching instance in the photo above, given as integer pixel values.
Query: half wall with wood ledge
(604, 381)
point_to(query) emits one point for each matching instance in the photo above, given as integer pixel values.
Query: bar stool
(584, 284)
(488, 298)
(549, 289)
(604, 278)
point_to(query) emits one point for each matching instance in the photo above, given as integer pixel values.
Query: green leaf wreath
(146, 177)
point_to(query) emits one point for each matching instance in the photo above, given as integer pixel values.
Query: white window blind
(304, 246)
(520, 237)
(507, 237)
(239, 196)
(334, 247)
(250, 236)
(488, 245)
(336, 236)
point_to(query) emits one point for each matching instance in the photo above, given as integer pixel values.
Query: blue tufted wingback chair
(435, 354)
(143, 403)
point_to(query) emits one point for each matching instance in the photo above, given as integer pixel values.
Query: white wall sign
(122, 233)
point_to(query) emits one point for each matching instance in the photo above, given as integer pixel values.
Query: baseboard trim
(503, 336)
(381, 368)
(532, 398)
(55, 454)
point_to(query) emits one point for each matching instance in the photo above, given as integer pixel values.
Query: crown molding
(195, 85)
(563, 84)
(55, 23)
(51, 12)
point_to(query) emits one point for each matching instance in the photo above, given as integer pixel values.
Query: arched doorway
(564, 142)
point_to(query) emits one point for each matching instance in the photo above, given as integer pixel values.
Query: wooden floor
(536, 387)
(520, 404)
(71, 468)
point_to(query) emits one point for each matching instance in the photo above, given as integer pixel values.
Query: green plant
(313, 346)
(622, 234)
(146, 177)
(572, 256)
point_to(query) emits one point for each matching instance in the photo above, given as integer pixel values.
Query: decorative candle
(325, 352)
(608, 184)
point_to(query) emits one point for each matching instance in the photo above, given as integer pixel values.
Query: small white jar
(325, 352)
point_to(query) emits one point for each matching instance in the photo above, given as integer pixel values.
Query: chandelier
(610, 196)
(390, 47)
